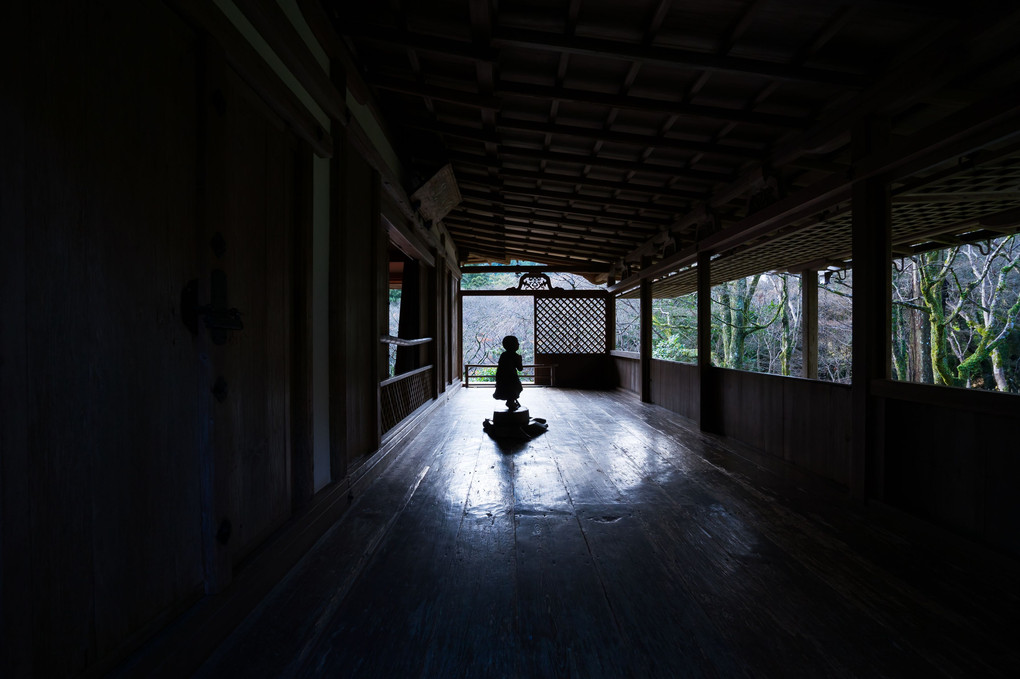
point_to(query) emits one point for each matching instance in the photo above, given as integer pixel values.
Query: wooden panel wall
(250, 424)
(676, 386)
(628, 373)
(805, 422)
(358, 283)
(583, 371)
(957, 467)
(99, 423)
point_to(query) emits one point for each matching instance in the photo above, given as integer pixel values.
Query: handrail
(468, 366)
(403, 376)
(401, 342)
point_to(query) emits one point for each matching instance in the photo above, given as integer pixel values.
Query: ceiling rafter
(633, 221)
(537, 109)
(505, 89)
(645, 104)
(508, 126)
(910, 78)
(672, 58)
(594, 161)
(586, 182)
(573, 196)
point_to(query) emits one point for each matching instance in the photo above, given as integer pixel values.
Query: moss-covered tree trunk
(901, 333)
(933, 279)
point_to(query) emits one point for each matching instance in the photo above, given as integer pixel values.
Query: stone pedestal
(511, 418)
(514, 424)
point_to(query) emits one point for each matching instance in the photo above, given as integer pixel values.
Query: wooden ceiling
(619, 135)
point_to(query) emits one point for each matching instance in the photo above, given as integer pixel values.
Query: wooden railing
(401, 395)
(525, 376)
(401, 342)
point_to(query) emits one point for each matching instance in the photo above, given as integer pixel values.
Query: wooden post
(610, 323)
(646, 341)
(871, 313)
(707, 417)
(809, 323)
(437, 294)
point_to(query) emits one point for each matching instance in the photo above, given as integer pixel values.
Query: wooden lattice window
(570, 325)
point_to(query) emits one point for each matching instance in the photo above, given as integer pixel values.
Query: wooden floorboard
(621, 543)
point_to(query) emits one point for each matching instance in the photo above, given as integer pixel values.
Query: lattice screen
(570, 325)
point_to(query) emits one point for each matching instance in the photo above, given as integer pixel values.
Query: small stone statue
(508, 384)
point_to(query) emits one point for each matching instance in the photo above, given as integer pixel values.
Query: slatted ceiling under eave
(707, 90)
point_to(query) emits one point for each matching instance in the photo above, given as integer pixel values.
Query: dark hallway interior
(243, 246)
(622, 543)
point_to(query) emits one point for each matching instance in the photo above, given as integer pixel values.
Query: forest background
(955, 314)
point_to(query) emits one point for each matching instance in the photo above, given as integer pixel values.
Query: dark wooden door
(251, 210)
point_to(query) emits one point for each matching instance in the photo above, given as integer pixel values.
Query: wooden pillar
(610, 322)
(809, 323)
(708, 418)
(871, 313)
(646, 341)
(437, 331)
(460, 332)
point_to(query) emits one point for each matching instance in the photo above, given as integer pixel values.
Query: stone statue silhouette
(508, 384)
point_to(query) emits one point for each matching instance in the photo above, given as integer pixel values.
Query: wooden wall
(359, 280)
(955, 464)
(583, 371)
(805, 422)
(676, 386)
(252, 218)
(143, 464)
(99, 418)
(628, 372)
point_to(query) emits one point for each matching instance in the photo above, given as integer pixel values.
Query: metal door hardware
(218, 317)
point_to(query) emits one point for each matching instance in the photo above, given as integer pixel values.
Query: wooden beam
(274, 26)
(672, 58)
(636, 222)
(572, 196)
(589, 134)
(547, 93)
(318, 21)
(643, 104)
(483, 268)
(619, 234)
(257, 74)
(583, 181)
(607, 49)
(593, 160)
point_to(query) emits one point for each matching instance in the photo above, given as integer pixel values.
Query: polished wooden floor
(621, 544)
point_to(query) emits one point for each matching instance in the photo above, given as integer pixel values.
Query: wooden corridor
(622, 543)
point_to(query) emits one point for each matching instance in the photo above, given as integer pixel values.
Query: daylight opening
(954, 316)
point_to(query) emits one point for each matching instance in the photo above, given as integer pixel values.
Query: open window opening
(559, 319)
(487, 320)
(756, 324)
(628, 325)
(675, 328)
(955, 316)
(835, 325)
(404, 312)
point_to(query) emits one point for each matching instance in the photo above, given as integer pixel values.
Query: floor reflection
(617, 544)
